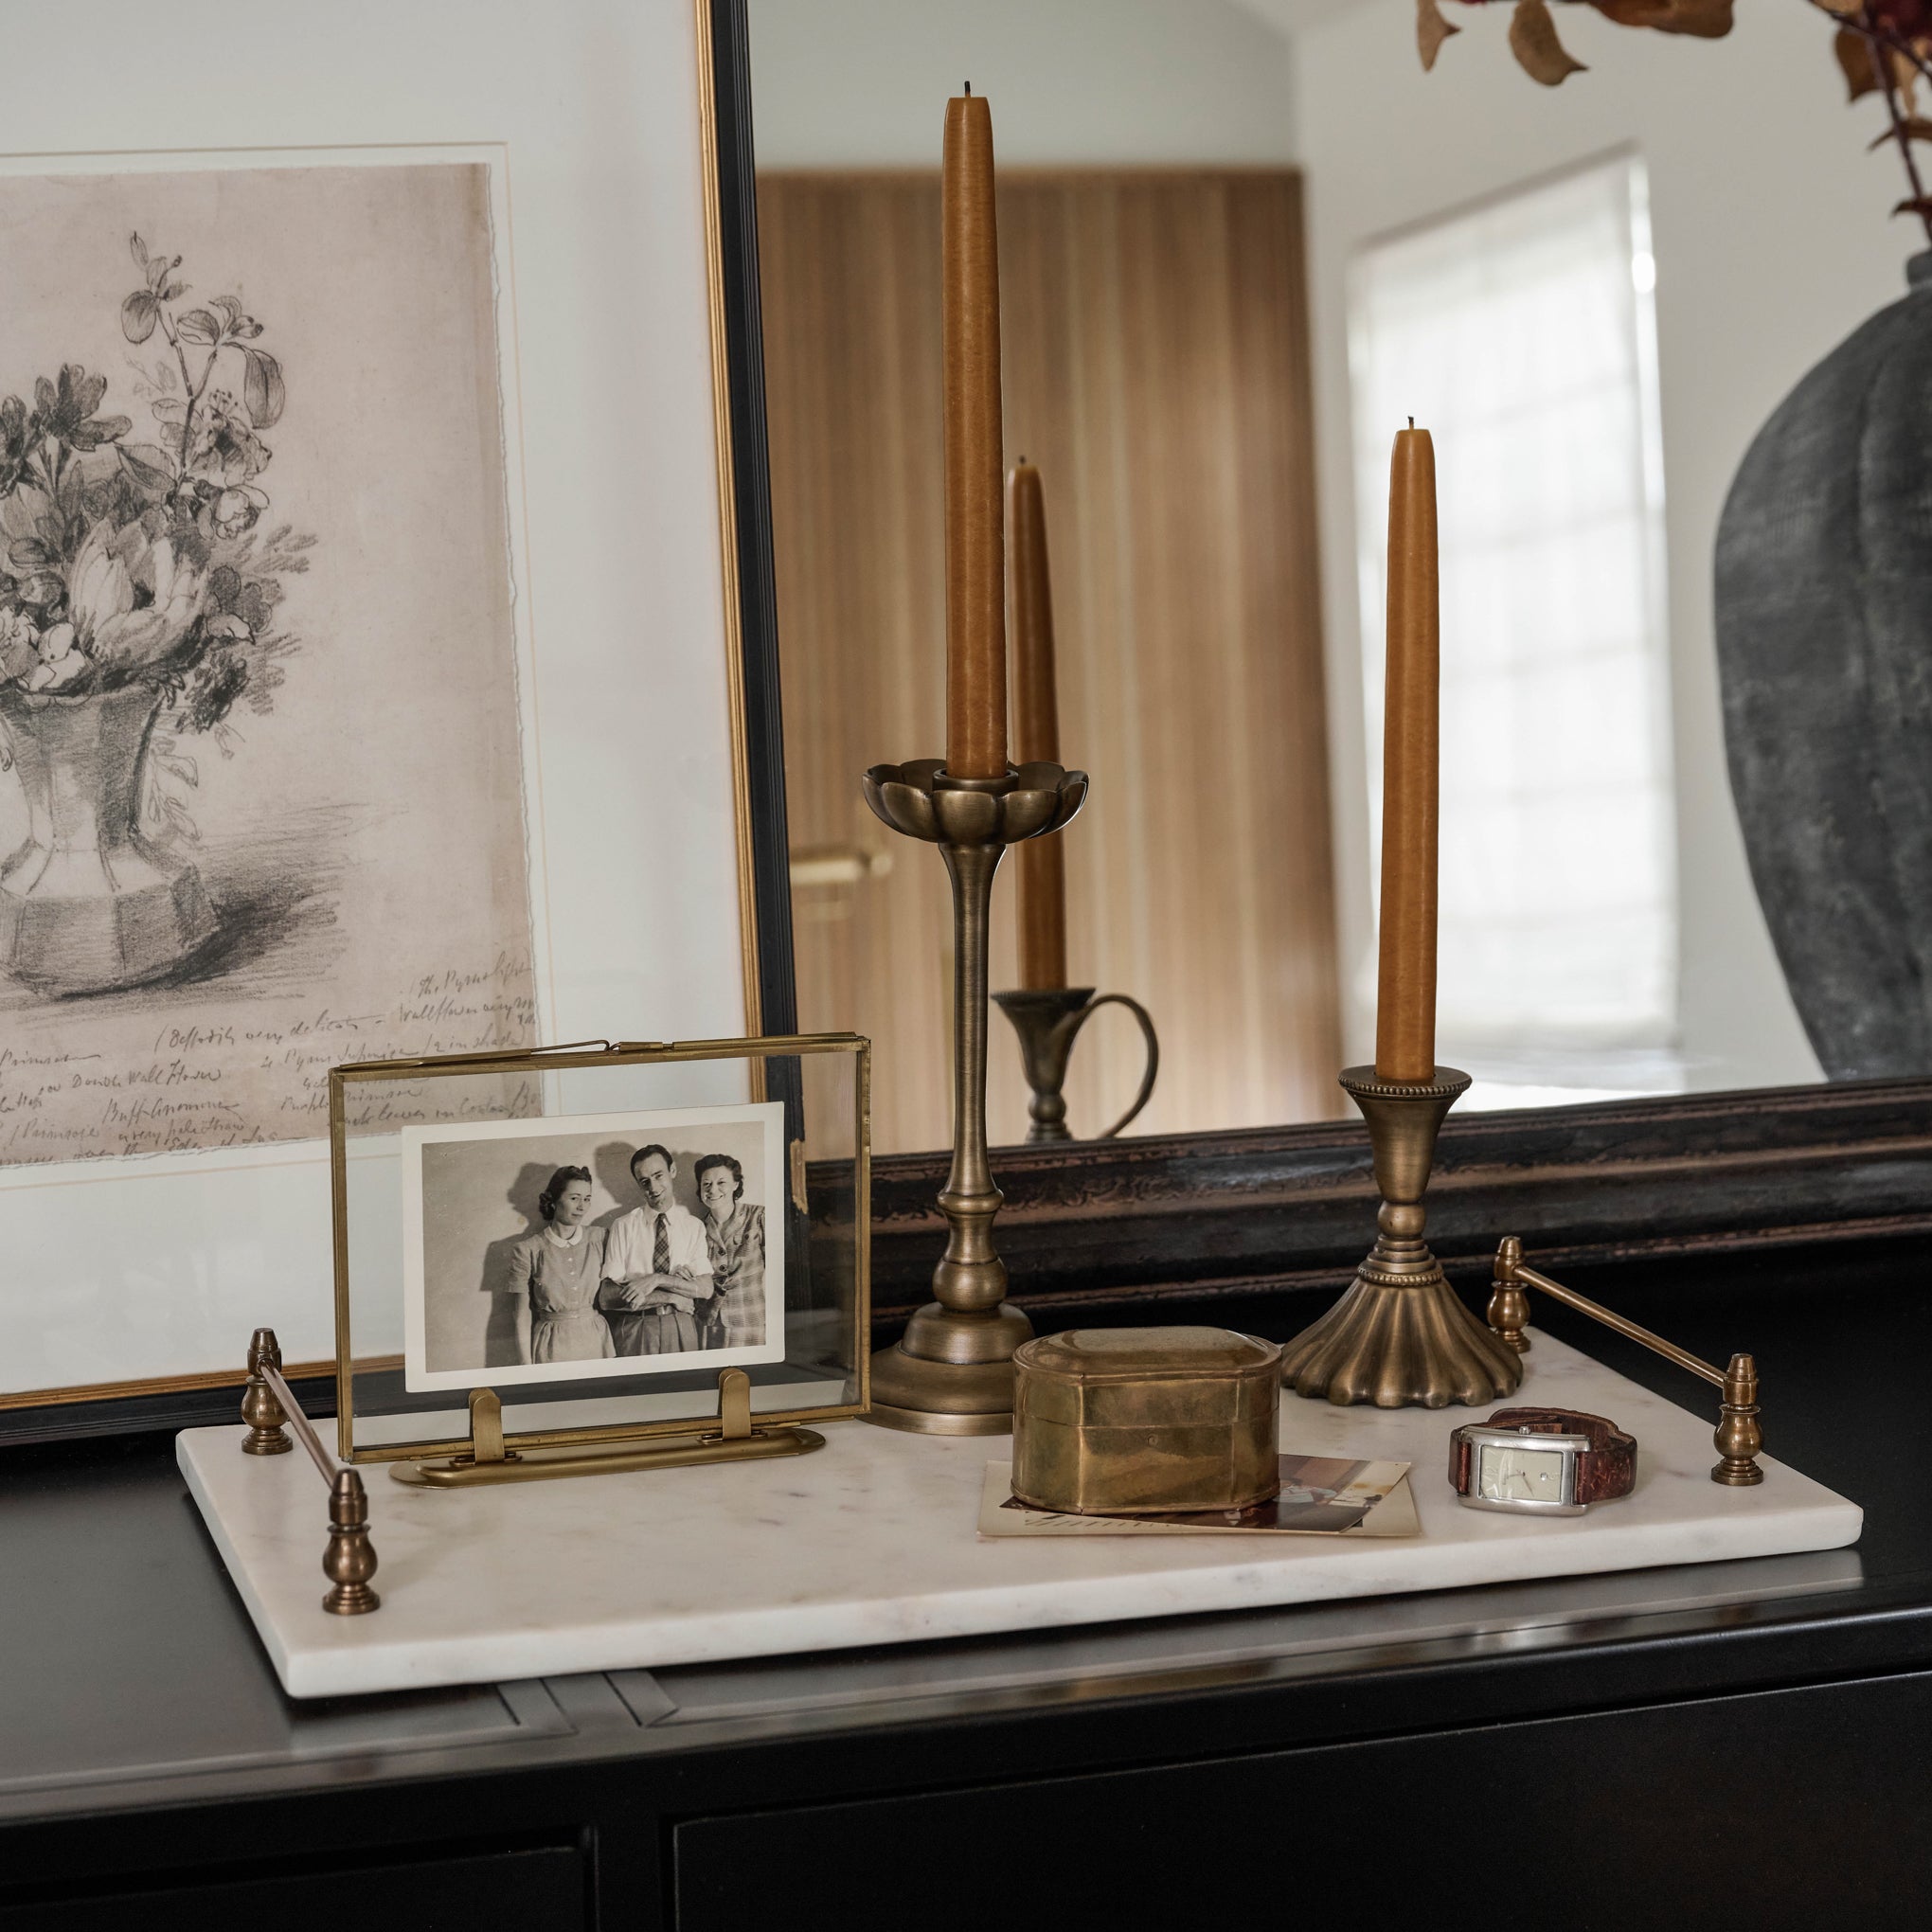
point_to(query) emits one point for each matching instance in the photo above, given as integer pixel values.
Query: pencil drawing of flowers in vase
(138, 588)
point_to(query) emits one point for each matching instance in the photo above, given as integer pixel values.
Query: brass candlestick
(952, 1373)
(1401, 1338)
(1048, 1019)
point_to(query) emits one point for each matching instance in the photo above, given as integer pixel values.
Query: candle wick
(1412, 422)
(969, 87)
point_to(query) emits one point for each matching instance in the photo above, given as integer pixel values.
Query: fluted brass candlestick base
(1048, 1019)
(952, 1372)
(1401, 1338)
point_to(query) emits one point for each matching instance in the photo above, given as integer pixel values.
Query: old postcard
(1322, 1496)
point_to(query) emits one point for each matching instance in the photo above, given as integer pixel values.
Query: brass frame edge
(862, 1215)
(617, 1432)
(602, 1053)
(338, 1243)
(727, 529)
(762, 1445)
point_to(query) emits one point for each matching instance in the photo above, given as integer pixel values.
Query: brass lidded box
(1129, 1422)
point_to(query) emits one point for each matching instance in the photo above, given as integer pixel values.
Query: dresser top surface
(132, 1674)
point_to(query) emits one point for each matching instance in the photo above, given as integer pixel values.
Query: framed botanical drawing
(385, 656)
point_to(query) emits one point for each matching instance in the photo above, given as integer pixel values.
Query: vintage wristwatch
(1540, 1461)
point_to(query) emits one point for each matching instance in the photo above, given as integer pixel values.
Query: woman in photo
(734, 1234)
(559, 1268)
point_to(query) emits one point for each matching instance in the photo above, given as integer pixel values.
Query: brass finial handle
(264, 1414)
(350, 1561)
(269, 1408)
(1739, 1438)
(1508, 1306)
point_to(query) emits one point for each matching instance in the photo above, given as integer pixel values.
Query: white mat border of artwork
(147, 1285)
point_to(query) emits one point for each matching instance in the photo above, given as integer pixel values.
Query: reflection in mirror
(1240, 245)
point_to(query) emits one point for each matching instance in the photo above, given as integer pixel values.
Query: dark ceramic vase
(1824, 645)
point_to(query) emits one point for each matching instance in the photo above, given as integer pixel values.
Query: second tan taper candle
(1040, 863)
(976, 561)
(1405, 987)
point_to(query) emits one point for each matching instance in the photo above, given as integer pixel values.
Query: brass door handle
(837, 865)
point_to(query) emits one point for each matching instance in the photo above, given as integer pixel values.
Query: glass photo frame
(596, 1234)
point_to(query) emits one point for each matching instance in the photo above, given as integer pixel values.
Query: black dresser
(1740, 1743)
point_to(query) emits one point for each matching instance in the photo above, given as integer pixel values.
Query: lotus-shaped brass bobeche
(921, 800)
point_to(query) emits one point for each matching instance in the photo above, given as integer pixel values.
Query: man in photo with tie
(656, 1269)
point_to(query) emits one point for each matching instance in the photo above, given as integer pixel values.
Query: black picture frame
(758, 607)
(723, 22)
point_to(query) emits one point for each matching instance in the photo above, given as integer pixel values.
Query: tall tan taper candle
(975, 562)
(1405, 993)
(1041, 863)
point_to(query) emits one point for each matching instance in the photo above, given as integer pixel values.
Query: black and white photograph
(593, 1245)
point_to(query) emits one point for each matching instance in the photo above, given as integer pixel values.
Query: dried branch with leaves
(1882, 47)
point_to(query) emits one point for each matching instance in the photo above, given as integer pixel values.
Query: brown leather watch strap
(1605, 1470)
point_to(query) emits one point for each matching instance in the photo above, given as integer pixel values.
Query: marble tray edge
(265, 1630)
(359, 1661)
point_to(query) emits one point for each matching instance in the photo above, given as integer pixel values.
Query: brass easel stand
(1740, 1436)
(267, 1404)
(1401, 1338)
(950, 1373)
(1048, 1019)
(488, 1461)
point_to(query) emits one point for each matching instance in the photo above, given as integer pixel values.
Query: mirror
(1241, 241)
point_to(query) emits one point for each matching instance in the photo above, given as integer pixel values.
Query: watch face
(1505, 1474)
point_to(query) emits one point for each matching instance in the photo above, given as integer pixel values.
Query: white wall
(864, 84)
(1772, 242)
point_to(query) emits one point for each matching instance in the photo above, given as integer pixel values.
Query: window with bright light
(1521, 335)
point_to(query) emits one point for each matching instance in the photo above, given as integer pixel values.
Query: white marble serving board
(872, 1540)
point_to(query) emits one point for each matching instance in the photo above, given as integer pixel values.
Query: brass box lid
(1117, 1354)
